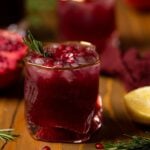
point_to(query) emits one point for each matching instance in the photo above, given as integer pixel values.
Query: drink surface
(62, 100)
(66, 55)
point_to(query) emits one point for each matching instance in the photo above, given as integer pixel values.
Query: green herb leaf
(136, 143)
(34, 45)
(7, 134)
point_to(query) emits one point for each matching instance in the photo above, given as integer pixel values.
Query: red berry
(61, 47)
(46, 148)
(99, 146)
(69, 48)
(66, 54)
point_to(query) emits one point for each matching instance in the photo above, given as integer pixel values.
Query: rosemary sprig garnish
(34, 45)
(136, 143)
(7, 135)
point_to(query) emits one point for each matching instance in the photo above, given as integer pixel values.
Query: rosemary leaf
(136, 143)
(36, 46)
(33, 44)
(7, 134)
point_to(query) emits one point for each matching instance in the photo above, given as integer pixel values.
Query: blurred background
(133, 25)
(40, 16)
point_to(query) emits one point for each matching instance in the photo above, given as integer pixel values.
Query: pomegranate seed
(12, 50)
(46, 148)
(3, 63)
(66, 55)
(61, 47)
(69, 48)
(99, 146)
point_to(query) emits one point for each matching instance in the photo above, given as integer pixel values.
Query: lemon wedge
(138, 104)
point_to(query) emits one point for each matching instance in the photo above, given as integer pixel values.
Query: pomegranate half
(12, 51)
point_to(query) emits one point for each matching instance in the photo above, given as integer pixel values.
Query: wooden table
(116, 121)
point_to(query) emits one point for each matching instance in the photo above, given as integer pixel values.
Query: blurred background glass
(42, 17)
(133, 25)
(88, 20)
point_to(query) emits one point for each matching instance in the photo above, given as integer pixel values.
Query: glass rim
(63, 68)
(97, 61)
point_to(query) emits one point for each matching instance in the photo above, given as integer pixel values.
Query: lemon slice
(138, 104)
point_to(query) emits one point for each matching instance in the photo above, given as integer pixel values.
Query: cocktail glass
(62, 102)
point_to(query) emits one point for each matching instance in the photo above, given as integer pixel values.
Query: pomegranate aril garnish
(73, 54)
(61, 47)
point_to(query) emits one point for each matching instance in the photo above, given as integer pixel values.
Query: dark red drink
(89, 20)
(61, 92)
(11, 11)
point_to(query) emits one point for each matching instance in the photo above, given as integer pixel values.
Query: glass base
(59, 134)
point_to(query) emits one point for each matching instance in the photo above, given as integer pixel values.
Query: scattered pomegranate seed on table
(99, 146)
(46, 148)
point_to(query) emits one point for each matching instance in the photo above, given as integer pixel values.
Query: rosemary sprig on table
(7, 134)
(136, 143)
(34, 45)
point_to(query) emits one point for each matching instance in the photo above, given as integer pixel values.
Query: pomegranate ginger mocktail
(61, 92)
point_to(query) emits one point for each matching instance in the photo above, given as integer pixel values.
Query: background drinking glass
(89, 20)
